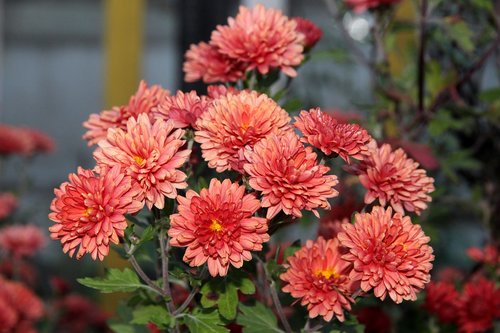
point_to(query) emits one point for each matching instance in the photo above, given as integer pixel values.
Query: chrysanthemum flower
(21, 240)
(42, 143)
(89, 211)
(234, 122)
(322, 131)
(8, 203)
(143, 101)
(217, 90)
(183, 109)
(288, 176)
(205, 62)
(480, 306)
(319, 276)
(392, 177)
(217, 226)
(15, 140)
(390, 254)
(488, 255)
(362, 5)
(443, 300)
(312, 33)
(150, 154)
(262, 38)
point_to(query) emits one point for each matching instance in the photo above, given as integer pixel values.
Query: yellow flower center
(87, 211)
(215, 226)
(139, 160)
(327, 273)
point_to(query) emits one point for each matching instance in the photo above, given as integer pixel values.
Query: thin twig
(187, 301)
(142, 274)
(164, 249)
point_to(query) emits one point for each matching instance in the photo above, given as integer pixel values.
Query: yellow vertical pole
(406, 41)
(123, 33)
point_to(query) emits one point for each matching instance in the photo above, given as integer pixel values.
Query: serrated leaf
(228, 302)
(147, 234)
(155, 314)
(204, 322)
(115, 281)
(257, 319)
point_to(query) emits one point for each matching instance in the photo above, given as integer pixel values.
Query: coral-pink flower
(488, 255)
(289, 176)
(218, 227)
(390, 254)
(312, 33)
(151, 154)
(205, 62)
(362, 5)
(234, 123)
(480, 306)
(217, 90)
(21, 240)
(8, 203)
(143, 101)
(42, 143)
(183, 109)
(322, 131)
(393, 178)
(89, 211)
(15, 140)
(264, 39)
(442, 299)
(319, 276)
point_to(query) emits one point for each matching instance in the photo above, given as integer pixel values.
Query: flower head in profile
(362, 5)
(215, 91)
(393, 178)
(15, 140)
(205, 62)
(263, 39)
(488, 255)
(390, 254)
(319, 276)
(322, 131)
(21, 240)
(143, 101)
(42, 143)
(443, 300)
(8, 203)
(288, 176)
(479, 306)
(312, 33)
(234, 123)
(183, 109)
(89, 211)
(150, 153)
(218, 227)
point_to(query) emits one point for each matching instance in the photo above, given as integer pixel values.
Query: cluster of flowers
(143, 156)
(23, 141)
(478, 305)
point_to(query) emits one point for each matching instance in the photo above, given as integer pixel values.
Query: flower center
(327, 273)
(139, 160)
(215, 225)
(87, 211)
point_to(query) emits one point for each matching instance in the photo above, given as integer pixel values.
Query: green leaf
(222, 293)
(292, 105)
(155, 314)
(204, 322)
(115, 281)
(121, 328)
(257, 319)
(462, 35)
(147, 234)
(246, 286)
(490, 95)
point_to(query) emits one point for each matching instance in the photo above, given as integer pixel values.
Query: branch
(164, 248)
(141, 273)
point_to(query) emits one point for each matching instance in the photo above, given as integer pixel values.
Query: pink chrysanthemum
(21, 240)
(262, 38)
(362, 5)
(217, 226)
(289, 177)
(42, 143)
(488, 255)
(183, 109)
(8, 203)
(234, 123)
(143, 101)
(319, 276)
(390, 254)
(392, 177)
(480, 306)
(312, 33)
(442, 299)
(150, 154)
(15, 140)
(205, 62)
(89, 211)
(322, 131)
(218, 90)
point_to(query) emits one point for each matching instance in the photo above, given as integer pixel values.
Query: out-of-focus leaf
(115, 281)
(490, 95)
(461, 34)
(155, 314)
